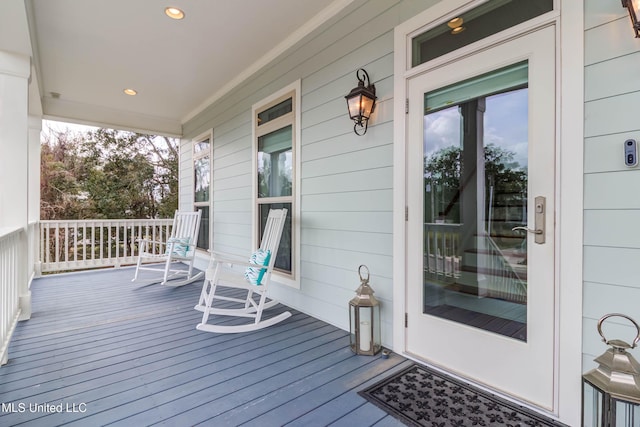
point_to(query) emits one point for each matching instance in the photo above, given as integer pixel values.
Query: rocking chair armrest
(215, 255)
(232, 262)
(157, 242)
(151, 241)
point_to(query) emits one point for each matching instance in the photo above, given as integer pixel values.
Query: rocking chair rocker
(255, 280)
(180, 247)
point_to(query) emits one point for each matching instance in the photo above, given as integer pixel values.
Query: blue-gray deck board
(132, 354)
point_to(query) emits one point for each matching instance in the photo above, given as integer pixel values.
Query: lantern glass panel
(592, 406)
(377, 339)
(354, 107)
(352, 326)
(364, 328)
(366, 106)
(635, 4)
(627, 414)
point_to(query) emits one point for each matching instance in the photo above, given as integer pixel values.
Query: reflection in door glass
(475, 193)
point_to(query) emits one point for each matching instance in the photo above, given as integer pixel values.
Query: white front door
(481, 162)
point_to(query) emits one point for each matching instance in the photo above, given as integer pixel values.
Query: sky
(505, 125)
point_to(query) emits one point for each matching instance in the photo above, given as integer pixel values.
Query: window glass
(276, 111)
(201, 146)
(202, 177)
(473, 25)
(203, 233)
(202, 187)
(283, 259)
(275, 163)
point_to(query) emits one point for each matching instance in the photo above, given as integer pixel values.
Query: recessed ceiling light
(174, 13)
(131, 92)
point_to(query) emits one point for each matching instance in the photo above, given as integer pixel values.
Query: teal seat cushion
(261, 258)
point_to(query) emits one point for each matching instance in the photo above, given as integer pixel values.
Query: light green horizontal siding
(346, 180)
(611, 205)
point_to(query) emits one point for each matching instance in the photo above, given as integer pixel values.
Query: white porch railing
(441, 247)
(92, 243)
(12, 250)
(444, 262)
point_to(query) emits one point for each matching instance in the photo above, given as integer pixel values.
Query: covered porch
(113, 352)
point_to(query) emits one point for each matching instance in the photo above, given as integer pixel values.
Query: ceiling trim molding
(329, 12)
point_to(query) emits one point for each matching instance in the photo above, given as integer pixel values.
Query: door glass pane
(475, 192)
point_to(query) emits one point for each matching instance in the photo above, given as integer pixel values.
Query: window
(202, 185)
(473, 25)
(275, 159)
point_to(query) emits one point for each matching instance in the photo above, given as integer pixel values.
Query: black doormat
(419, 396)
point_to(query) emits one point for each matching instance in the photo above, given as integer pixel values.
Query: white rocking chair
(221, 273)
(179, 247)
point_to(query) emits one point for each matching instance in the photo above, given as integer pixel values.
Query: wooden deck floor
(108, 352)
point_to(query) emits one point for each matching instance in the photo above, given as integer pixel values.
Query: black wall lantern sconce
(361, 102)
(632, 6)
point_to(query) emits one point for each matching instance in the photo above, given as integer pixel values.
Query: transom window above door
(473, 25)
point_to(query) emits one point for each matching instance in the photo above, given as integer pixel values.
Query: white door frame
(569, 181)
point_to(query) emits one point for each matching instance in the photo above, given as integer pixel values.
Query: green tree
(62, 171)
(108, 174)
(442, 171)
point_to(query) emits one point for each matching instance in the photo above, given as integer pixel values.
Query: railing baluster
(101, 241)
(84, 242)
(124, 239)
(109, 240)
(93, 243)
(57, 243)
(65, 242)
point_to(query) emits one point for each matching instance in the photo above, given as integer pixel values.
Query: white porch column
(35, 128)
(14, 156)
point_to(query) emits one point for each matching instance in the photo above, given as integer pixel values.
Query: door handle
(528, 230)
(540, 217)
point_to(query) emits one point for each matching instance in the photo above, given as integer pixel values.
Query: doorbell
(630, 153)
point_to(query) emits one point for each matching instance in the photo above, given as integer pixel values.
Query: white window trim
(206, 135)
(293, 279)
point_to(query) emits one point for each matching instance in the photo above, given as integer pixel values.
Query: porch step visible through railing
(84, 244)
(12, 269)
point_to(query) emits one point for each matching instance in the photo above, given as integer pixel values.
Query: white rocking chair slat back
(221, 272)
(180, 246)
(273, 232)
(186, 224)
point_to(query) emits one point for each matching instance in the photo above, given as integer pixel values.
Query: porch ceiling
(89, 51)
